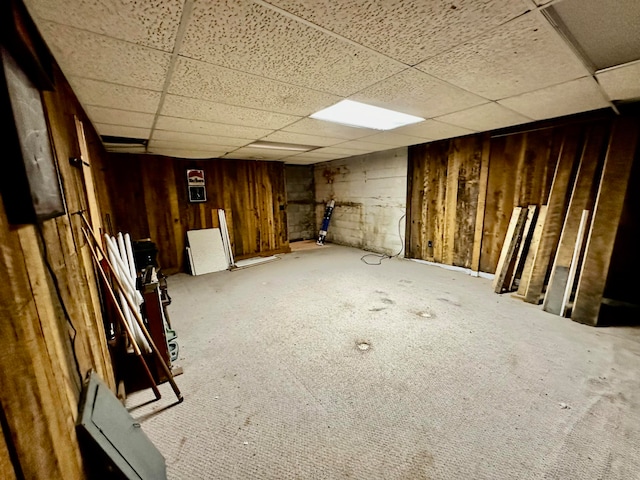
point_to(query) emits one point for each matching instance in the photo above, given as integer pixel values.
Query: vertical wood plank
(509, 249)
(482, 200)
(606, 216)
(575, 260)
(531, 252)
(451, 201)
(527, 233)
(581, 199)
(556, 207)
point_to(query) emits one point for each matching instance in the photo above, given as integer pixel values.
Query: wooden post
(509, 249)
(527, 233)
(606, 217)
(482, 202)
(577, 252)
(533, 248)
(554, 218)
(581, 199)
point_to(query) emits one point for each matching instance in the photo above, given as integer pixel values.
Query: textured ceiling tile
(393, 139)
(311, 126)
(176, 145)
(190, 108)
(363, 147)
(433, 130)
(621, 83)
(302, 139)
(417, 93)
(94, 92)
(241, 35)
(210, 128)
(197, 79)
(196, 138)
(152, 23)
(90, 55)
(301, 161)
(409, 31)
(252, 153)
(119, 117)
(518, 57)
(484, 117)
(340, 152)
(122, 131)
(572, 97)
(181, 153)
(314, 157)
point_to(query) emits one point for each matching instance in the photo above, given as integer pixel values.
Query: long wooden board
(527, 233)
(531, 253)
(575, 260)
(582, 197)
(555, 216)
(606, 217)
(509, 249)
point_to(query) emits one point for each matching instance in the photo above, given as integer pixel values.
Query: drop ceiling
(205, 79)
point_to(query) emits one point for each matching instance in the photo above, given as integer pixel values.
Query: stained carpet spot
(388, 301)
(363, 346)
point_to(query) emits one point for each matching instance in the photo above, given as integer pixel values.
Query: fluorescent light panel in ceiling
(356, 114)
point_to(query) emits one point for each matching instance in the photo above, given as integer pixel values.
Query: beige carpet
(318, 366)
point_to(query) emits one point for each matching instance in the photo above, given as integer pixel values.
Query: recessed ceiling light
(356, 114)
(294, 147)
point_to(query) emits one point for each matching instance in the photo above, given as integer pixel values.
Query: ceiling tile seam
(87, 105)
(209, 134)
(326, 31)
(104, 35)
(615, 67)
(445, 82)
(187, 9)
(245, 72)
(542, 88)
(239, 106)
(547, 21)
(469, 39)
(82, 77)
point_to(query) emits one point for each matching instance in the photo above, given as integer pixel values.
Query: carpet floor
(318, 366)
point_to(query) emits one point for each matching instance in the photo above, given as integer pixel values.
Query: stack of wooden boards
(559, 253)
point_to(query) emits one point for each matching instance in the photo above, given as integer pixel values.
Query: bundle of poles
(128, 309)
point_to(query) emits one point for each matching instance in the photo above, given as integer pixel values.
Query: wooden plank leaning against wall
(40, 382)
(556, 167)
(251, 193)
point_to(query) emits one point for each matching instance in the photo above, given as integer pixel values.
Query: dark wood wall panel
(47, 270)
(152, 202)
(445, 191)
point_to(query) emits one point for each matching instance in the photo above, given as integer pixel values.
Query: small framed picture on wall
(196, 185)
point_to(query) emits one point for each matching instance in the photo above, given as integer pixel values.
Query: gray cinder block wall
(301, 212)
(371, 195)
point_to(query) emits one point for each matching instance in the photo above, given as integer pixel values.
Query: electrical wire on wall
(65, 312)
(384, 256)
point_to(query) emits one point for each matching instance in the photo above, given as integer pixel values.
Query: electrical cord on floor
(56, 285)
(384, 256)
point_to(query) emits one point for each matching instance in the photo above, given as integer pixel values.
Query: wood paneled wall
(146, 195)
(39, 383)
(447, 188)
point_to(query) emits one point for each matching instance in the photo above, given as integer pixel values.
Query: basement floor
(318, 366)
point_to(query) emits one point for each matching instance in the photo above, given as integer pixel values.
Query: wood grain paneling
(49, 291)
(609, 205)
(152, 202)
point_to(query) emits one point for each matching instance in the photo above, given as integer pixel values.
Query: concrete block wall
(371, 195)
(301, 211)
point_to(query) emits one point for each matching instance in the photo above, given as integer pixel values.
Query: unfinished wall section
(251, 193)
(52, 325)
(370, 192)
(301, 210)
